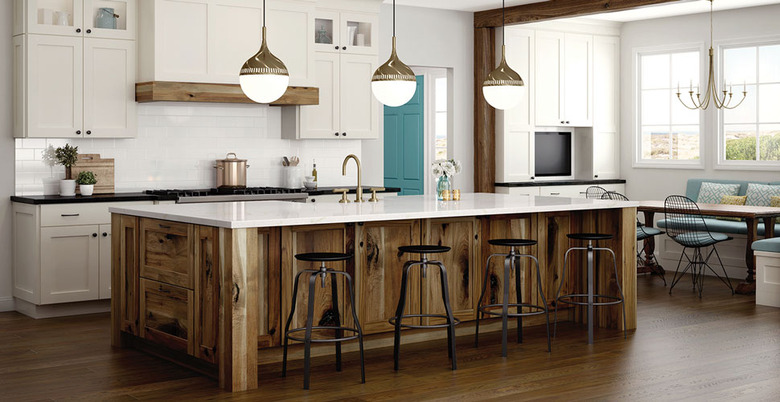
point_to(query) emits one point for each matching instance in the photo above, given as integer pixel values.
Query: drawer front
(167, 252)
(166, 315)
(564, 191)
(95, 213)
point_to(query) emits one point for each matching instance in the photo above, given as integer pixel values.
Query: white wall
(177, 144)
(691, 29)
(433, 38)
(6, 157)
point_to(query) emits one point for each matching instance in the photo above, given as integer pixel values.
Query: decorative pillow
(712, 193)
(761, 194)
(733, 200)
(774, 202)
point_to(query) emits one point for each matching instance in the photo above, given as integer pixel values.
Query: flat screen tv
(553, 154)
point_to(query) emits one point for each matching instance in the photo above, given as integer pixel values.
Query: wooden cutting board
(102, 168)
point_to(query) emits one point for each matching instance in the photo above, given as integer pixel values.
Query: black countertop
(366, 190)
(113, 197)
(560, 183)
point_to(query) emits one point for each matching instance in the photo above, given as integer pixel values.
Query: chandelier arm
(686, 105)
(744, 95)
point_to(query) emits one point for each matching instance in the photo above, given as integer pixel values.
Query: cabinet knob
(78, 132)
(94, 234)
(78, 30)
(337, 134)
(89, 132)
(567, 122)
(343, 134)
(105, 234)
(561, 121)
(337, 48)
(344, 48)
(313, 200)
(595, 176)
(89, 31)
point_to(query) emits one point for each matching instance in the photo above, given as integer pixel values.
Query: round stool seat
(424, 249)
(512, 242)
(589, 236)
(323, 257)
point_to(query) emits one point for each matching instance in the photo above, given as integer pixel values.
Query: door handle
(69, 215)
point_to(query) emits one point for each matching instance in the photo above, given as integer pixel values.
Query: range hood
(168, 91)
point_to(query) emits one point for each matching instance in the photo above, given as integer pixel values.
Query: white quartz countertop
(279, 213)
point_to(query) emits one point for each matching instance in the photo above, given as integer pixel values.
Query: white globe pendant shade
(393, 93)
(264, 78)
(503, 87)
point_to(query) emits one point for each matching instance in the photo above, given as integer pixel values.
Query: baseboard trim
(62, 309)
(7, 304)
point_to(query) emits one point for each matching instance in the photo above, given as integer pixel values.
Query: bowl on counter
(310, 185)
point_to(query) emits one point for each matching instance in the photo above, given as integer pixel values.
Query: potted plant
(86, 181)
(67, 156)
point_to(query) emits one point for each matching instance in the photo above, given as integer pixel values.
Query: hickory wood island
(210, 284)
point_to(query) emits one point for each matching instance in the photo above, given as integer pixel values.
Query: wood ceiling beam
(554, 9)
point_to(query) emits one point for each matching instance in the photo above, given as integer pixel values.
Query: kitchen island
(210, 284)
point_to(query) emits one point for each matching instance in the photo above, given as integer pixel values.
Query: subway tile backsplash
(177, 144)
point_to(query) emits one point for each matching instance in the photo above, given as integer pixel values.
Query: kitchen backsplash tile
(177, 144)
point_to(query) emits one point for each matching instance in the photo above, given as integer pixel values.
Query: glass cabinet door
(55, 17)
(326, 32)
(359, 33)
(110, 19)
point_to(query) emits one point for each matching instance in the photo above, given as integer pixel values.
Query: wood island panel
(207, 291)
(269, 287)
(166, 315)
(167, 252)
(124, 277)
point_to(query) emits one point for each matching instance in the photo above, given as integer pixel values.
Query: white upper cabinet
(606, 138)
(564, 89)
(359, 109)
(348, 32)
(111, 19)
(209, 40)
(109, 88)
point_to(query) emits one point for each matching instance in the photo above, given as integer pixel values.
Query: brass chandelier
(712, 94)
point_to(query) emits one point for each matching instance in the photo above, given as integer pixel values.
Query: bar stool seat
(354, 333)
(589, 236)
(512, 242)
(397, 320)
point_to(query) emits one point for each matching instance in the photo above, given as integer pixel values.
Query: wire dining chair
(687, 227)
(595, 192)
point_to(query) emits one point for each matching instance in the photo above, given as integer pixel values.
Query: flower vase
(442, 183)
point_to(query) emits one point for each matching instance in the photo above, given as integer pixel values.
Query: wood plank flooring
(721, 347)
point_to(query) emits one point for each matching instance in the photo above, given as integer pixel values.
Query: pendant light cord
(263, 13)
(503, 21)
(393, 17)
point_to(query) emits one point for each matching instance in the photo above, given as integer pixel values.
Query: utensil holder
(292, 177)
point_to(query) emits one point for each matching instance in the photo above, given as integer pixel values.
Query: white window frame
(638, 162)
(721, 162)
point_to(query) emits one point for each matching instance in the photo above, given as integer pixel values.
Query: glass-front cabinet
(345, 32)
(108, 19)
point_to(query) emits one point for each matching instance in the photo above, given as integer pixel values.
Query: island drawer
(166, 315)
(167, 253)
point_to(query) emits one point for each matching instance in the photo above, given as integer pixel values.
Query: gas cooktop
(231, 194)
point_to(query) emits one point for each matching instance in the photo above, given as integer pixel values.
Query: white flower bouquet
(445, 167)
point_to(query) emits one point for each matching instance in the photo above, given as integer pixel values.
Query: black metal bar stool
(355, 333)
(591, 298)
(510, 260)
(397, 321)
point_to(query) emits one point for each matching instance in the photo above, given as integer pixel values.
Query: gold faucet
(359, 190)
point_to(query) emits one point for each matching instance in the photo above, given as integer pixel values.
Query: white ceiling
(664, 10)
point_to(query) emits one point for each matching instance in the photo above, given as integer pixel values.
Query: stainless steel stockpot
(231, 172)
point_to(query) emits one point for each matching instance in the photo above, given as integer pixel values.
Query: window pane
(746, 112)
(441, 127)
(685, 142)
(655, 71)
(441, 94)
(739, 65)
(655, 106)
(769, 142)
(740, 142)
(769, 63)
(685, 69)
(681, 114)
(655, 142)
(769, 103)
(441, 153)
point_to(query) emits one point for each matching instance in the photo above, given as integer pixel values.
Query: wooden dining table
(751, 215)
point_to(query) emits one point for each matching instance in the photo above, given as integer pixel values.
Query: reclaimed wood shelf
(169, 91)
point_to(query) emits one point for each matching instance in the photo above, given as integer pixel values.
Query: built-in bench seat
(767, 271)
(767, 245)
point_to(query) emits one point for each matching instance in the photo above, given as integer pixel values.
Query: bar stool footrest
(486, 309)
(444, 325)
(572, 299)
(319, 340)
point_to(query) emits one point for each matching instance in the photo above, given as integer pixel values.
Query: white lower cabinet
(62, 252)
(571, 191)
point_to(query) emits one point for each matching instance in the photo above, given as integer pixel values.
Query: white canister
(360, 40)
(292, 177)
(67, 188)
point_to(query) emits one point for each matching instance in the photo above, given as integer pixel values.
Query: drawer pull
(160, 289)
(164, 226)
(555, 193)
(69, 214)
(583, 192)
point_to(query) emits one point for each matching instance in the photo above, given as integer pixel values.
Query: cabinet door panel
(104, 233)
(381, 269)
(42, 17)
(166, 315)
(235, 34)
(125, 15)
(322, 121)
(69, 264)
(308, 239)
(54, 95)
(207, 289)
(549, 62)
(578, 74)
(181, 43)
(270, 287)
(125, 275)
(290, 29)
(109, 88)
(166, 252)
(359, 109)
(461, 264)
(359, 33)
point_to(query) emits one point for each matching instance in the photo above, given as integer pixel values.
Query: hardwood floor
(717, 348)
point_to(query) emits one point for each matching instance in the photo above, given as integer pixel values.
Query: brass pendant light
(393, 83)
(264, 78)
(502, 88)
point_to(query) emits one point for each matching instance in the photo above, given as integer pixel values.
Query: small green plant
(67, 156)
(86, 177)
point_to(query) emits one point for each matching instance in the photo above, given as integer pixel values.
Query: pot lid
(231, 157)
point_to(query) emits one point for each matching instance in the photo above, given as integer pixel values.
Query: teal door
(404, 147)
